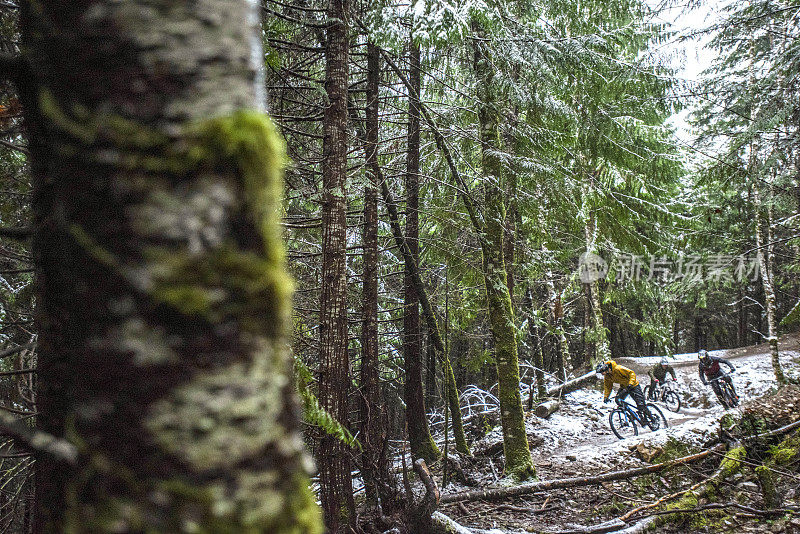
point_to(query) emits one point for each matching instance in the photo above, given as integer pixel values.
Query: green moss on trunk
(501, 313)
(455, 409)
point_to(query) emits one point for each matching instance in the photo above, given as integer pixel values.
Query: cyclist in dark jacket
(658, 375)
(709, 369)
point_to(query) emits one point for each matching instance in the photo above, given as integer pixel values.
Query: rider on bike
(710, 370)
(658, 374)
(613, 373)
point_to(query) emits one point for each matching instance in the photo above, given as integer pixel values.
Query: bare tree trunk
(430, 372)
(374, 466)
(765, 264)
(556, 310)
(334, 378)
(419, 436)
(538, 354)
(163, 301)
(764, 251)
(451, 390)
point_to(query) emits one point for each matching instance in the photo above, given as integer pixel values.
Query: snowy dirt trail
(576, 441)
(579, 437)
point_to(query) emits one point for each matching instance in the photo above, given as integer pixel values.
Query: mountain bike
(665, 394)
(727, 393)
(625, 417)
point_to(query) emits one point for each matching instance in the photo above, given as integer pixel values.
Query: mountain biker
(658, 374)
(709, 369)
(613, 373)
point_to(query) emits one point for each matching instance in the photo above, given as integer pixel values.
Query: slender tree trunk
(430, 373)
(419, 436)
(501, 314)
(699, 341)
(538, 354)
(162, 297)
(430, 319)
(763, 251)
(556, 313)
(374, 465)
(765, 264)
(334, 378)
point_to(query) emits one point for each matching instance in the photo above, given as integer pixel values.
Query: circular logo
(591, 267)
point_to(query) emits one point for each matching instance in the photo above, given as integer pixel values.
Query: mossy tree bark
(501, 314)
(419, 436)
(334, 378)
(162, 295)
(374, 463)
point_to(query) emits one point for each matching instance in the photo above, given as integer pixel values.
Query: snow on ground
(579, 431)
(681, 358)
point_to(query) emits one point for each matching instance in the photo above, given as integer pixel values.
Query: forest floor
(576, 441)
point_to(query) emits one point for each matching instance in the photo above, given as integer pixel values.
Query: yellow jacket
(619, 375)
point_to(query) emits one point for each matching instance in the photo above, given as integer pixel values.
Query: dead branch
(721, 506)
(430, 502)
(545, 409)
(14, 350)
(570, 385)
(663, 499)
(524, 489)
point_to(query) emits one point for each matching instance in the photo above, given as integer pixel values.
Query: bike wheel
(622, 424)
(657, 419)
(672, 401)
(731, 399)
(647, 389)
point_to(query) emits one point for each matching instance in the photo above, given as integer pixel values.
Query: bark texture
(501, 314)
(372, 415)
(334, 379)
(765, 265)
(162, 295)
(419, 436)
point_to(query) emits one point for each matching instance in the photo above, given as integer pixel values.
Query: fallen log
(571, 385)
(545, 409)
(531, 487)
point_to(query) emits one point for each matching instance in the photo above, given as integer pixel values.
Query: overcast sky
(690, 57)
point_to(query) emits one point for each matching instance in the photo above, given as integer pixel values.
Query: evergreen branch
(316, 415)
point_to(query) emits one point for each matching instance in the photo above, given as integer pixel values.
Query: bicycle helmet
(603, 368)
(702, 354)
(664, 362)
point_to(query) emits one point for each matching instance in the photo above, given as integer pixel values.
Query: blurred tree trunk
(162, 297)
(334, 379)
(419, 436)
